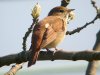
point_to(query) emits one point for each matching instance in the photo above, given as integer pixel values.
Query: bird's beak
(71, 10)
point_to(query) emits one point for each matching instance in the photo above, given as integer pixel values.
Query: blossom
(36, 11)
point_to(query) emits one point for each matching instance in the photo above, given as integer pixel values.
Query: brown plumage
(49, 32)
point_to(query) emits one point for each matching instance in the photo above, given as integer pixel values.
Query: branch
(28, 33)
(93, 2)
(87, 24)
(44, 55)
(80, 28)
(92, 66)
(35, 14)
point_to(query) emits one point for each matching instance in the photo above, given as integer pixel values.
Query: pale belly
(59, 39)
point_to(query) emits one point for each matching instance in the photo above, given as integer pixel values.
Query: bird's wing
(37, 37)
(49, 36)
(52, 27)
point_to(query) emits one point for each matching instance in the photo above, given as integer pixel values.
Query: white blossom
(36, 11)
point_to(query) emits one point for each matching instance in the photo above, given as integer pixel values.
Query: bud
(71, 16)
(98, 13)
(36, 11)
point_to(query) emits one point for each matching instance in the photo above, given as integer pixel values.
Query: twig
(93, 2)
(80, 28)
(27, 33)
(87, 24)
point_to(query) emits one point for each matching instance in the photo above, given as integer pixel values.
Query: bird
(49, 32)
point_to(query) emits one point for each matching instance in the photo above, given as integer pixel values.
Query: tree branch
(77, 30)
(92, 66)
(80, 28)
(44, 55)
(28, 33)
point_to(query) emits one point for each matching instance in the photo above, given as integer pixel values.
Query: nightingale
(49, 32)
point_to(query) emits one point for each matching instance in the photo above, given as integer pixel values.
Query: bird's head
(60, 11)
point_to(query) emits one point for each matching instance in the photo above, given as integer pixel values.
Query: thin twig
(80, 28)
(87, 24)
(93, 2)
(28, 32)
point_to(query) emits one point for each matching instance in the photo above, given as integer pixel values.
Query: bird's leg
(47, 50)
(54, 53)
(56, 49)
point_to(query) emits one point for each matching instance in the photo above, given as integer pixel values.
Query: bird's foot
(56, 49)
(48, 51)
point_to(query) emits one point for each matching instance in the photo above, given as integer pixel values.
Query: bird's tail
(34, 58)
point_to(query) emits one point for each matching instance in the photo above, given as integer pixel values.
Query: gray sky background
(15, 19)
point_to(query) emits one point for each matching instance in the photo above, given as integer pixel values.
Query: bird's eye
(61, 11)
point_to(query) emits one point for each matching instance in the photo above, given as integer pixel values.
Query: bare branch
(80, 28)
(35, 14)
(92, 66)
(28, 32)
(87, 24)
(44, 55)
(93, 2)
